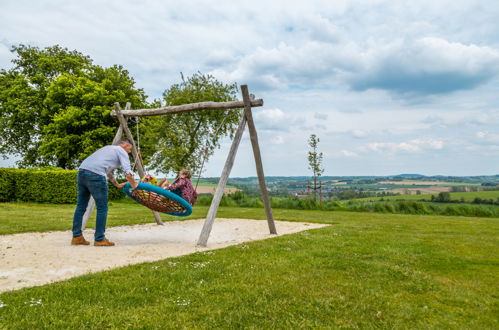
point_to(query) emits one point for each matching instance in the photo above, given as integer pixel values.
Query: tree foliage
(55, 104)
(183, 140)
(315, 161)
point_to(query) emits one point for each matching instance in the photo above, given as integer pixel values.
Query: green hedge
(52, 186)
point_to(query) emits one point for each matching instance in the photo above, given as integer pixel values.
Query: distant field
(423, 190)
(209, 184)
(467, 196)
(202, 189)
(428, 183)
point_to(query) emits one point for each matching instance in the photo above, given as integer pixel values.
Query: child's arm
(164, 183)
(179, 184)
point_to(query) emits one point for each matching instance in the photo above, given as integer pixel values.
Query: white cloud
(320, 116)
(277, 140)
(348, 153)
(275, 120)
(488, 137)
(427, 65)
(272, 115)
(357, 133)
(412, 146)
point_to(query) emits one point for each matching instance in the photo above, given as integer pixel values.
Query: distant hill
(410, 176)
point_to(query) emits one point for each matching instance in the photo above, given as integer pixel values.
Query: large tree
(184, 140)
(55, 104)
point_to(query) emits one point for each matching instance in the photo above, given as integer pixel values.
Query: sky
(389, 87)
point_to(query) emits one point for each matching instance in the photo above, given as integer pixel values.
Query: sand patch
(32, 259)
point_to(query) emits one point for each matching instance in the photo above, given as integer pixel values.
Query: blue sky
(388, 86)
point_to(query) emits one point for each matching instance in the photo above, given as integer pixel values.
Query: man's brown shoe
(79, 240)
(104, 242)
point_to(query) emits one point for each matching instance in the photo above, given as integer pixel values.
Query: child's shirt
(187, 191)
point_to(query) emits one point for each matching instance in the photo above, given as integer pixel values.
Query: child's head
(184, 173)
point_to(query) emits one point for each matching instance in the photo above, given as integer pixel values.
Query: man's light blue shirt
(105, 160)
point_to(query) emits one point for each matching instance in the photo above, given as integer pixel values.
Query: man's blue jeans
(96, 185)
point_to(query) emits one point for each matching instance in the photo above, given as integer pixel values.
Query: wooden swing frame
(247, 118)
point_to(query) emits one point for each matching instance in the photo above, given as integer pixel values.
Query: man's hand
(132, 181)
(120, 185)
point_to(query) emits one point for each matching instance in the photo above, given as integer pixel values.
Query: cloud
(320, 116)
(306, 65)
(348, 153)
(277, 140)
(274, 119)
(412, 146)
(359, 134)
(488, 138)
(426, 66)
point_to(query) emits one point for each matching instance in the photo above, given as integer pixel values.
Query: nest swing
(158, 199)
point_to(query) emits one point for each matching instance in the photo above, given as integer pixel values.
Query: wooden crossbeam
(188, 108)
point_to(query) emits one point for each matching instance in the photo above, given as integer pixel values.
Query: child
(182, 186)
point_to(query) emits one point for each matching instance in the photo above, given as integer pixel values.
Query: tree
(175, 141)
(55, 104)
(315, 161)
(443, 197)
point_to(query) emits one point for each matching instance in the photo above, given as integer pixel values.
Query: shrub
(42, 186)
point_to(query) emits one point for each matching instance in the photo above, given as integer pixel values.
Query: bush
(8, 179)
(42, 186)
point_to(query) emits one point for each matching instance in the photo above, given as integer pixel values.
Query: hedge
(52, 186)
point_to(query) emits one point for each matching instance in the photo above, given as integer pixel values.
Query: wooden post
(140, 166)
(217, 197)
(91, 201)
(258, 158)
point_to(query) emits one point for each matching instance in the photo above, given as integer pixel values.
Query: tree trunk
(315, 187)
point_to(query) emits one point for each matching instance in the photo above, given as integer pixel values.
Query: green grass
(27, 217)
(468, 196)
(366, 270)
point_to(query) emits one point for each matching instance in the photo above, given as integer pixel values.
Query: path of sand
(33, 259)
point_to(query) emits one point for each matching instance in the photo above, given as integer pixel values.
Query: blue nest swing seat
(158, 199)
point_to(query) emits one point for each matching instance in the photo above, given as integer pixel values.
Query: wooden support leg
(258, 158)
(140, 166)
(210, 218)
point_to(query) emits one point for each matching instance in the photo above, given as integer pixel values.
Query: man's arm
(125, 166)
(115, 183)
(132, 181)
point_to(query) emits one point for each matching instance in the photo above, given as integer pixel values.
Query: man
(92, 181)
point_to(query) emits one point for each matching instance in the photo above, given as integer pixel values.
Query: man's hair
(125, 141)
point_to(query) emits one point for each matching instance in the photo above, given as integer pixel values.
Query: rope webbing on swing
(159, 199)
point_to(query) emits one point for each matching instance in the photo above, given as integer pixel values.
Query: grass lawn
(367, 270)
